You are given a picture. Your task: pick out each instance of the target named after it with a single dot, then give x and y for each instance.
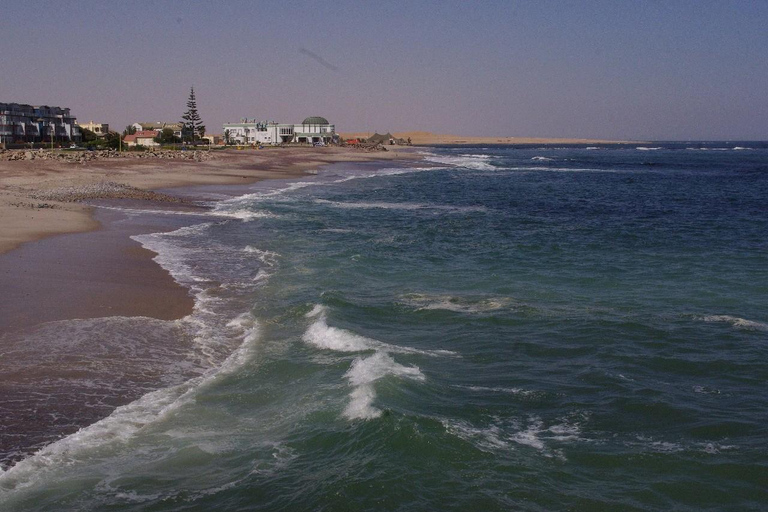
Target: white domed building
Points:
(313, 130)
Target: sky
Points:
(640, 70)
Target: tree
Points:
(166, 137)
(88, 135)
(112, 140)
(129, 130)
(226, 137)
(193, 125)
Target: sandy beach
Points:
(105, 273)
(25, 185)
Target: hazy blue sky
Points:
(600, 69)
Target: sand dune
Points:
(429, 138)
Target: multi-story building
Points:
(311, 130)
(30, 123)
(98, 129)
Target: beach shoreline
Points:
(41, 200)
(94, 270)
(29, 189)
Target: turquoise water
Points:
(494, 328)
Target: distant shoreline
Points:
(420, 138)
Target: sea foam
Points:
(320, 335)
(475, 162)
(363, 373)
(505, 434)
(456, 304)
(739, 323)
(126, 421)
(400, 206)
(268, 258)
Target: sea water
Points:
(491, 328)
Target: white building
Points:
(98, 129)
(29, 123)
(311, 130)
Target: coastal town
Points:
(24, 126)
(383, 256)
(52, 164)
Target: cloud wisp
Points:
(312, 55)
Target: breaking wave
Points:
(364, 371)
(456, 304)
(739, 323)
(479, 163)
(400, 206)
(126, 421)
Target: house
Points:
(98, 129)
(252, 132)
(31, 123)
(159, 126)
(311, 130)
(214, 139)
(142, 138)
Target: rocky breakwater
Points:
(9, 155)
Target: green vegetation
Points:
(167, 137)
(194, 129)
(110, 140)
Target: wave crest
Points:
(739, 323)
(363, 373)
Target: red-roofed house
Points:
(142, 138)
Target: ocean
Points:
(489, 328)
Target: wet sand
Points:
(87, 275)
(60, 375)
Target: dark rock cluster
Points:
(9, 155)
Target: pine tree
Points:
(193, 125)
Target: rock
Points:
(88, 156)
